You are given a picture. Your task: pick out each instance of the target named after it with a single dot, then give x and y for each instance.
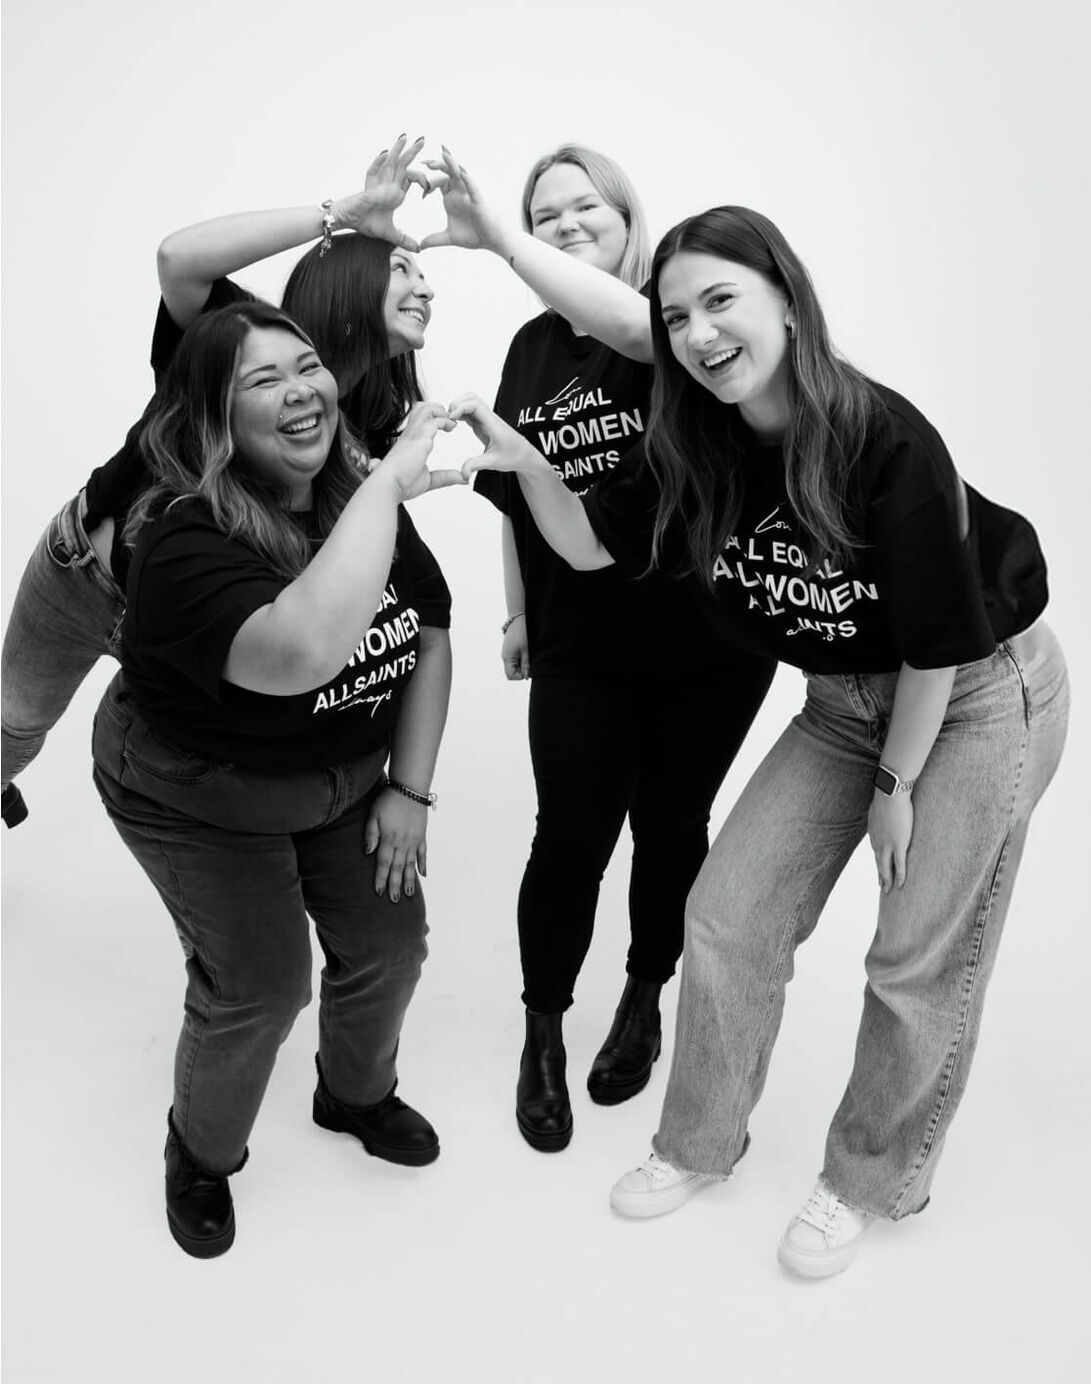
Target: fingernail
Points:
(394, 898)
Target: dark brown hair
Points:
(189, 449)
(337, 299)
(693, 440)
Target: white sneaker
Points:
(655, 1188)
(823, 1235)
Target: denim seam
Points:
(971, 971)
(187, 1075)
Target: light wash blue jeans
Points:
(770, 871)
(67, 613)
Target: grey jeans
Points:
(67, 613)
(770, 871)
(240, 857)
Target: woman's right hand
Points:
(406, 464)
(505, 449)
(470, 223)
(515, 652)
(371, 212)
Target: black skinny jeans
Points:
(601, 748)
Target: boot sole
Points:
(408, 1158)
(617, 1092)
(203, 1248)
(552, 1141)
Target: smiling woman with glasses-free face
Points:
(567, 210)
(728, 327)
(283, 411)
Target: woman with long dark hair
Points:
(816, 517)
(285, 635)
(68, 608)
(601, 650)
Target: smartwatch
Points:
(888, 782)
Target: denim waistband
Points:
(870, 696)
(70, 547)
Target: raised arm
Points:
(559, 515)
(307, 634)
(593, 301)
(192, 259)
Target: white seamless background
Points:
(925, 161)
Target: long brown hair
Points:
(187, 444)
(337, 298)
(693, 440)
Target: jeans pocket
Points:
(151, 753)
(60, 542)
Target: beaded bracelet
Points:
(326, 208)
(425, 799)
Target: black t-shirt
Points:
(916, 592)
(582, 405)
(190, 590)
(113, 486)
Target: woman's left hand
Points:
(890, 827)
(396, 828)
(386, 183)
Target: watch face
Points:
(885, 781)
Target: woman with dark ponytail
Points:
(370, 305)
(816, 517)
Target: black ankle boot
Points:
(389, 1129)
(200, 1213)
(542, 1107)
(12, 807)
(624, 1062)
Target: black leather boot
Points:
(542, 1107)
(624, 1062)
(389, 1129)
(12, 807)
(200, 1213)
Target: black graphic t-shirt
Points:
(916, 592)
(114, 486)
(190, 590)
(582, 405)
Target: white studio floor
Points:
(498, 1263)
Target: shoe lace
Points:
(824, 1210)
(656, 1168)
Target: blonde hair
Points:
(613, 185)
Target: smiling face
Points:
(283, 411)
(727, 326)
(407, 306)
(567, 210)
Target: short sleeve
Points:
(431, 594)
(168, 333)
(924, 563)
(191, 590)
(622, 509)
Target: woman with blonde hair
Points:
(634, 709)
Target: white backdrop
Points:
(926, 161)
